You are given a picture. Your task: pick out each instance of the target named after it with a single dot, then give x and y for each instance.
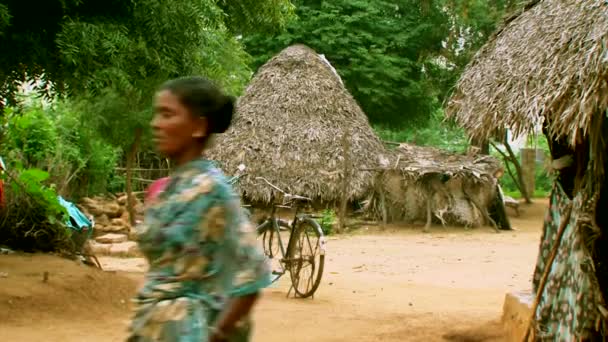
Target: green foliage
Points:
(399, 59)
(32, 135)
(437, 133)
(379, 48)
(110, 57)
(244, 16)
(31, 182)
(56, 139)
(472, 22)
(538, 141)
(33, 219)
(5, 18)
(85, 44)
(543, 179)
(327, 221)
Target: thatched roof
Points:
(457, 187)
(419, 161)
(549, 61)
(290, 127)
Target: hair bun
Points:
(203, 98)
(222, 118)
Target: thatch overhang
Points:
(290, 128)
(549, 62)
(418, 162)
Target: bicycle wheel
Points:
(271, 239)
(271, 244)
(307, 258)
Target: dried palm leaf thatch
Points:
(290, 127)
(456, 188)
(549, 62)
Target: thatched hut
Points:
(428, 184)
(293, 126)
(549, 65)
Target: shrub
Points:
(437, 133)
(327, 221)
(32, 219)
(58, 140)
(49, 150)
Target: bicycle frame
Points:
(275, 228)
(272, 225)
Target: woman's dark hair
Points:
(204, 99)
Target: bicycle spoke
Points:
(304, 280)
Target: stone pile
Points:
(113, 234)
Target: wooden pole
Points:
(345, 180)
(128, 181)
(528, 165)
(543, 279)
(429, 213)
(383, 207)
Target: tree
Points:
(509, 158)
(109, 56)
(380, 49)
(471, 24)
(86, 46)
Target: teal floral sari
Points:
(202, 251)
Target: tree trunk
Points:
(345, 180)
(519, 171)
(128, 182)
(518, 177)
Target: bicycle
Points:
(305, 244)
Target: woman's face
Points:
(174, 128)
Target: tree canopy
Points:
(378, 47)
(79, 46)
(398, 58)
(109, 56)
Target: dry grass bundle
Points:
(457, 189)
(290, 126)
(547, 62)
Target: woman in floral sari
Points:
(205, 268)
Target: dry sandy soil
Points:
(396, 284)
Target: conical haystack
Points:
(290, 128)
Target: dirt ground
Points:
(396, 284)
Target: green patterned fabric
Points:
(202, 251)
(567, 310)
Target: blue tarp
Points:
(77, 220)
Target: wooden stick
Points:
(130, 158)
(143, 180)
(345, 180)
(397, 162)
(543, 279)
(377, 169)
(383, 208)
(429, 213)
(482, 210)
(392, 143)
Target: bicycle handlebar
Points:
(235, 179)
(272, 185)
(286, 196)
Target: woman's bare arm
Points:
(237, 308)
